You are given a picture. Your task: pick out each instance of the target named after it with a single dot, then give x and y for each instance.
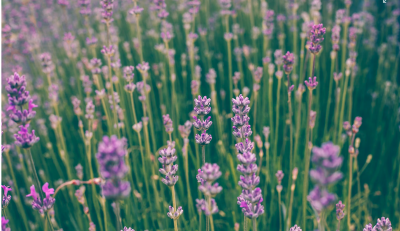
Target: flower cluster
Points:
(167, 158)
(288, 61)
(4, 223)
(169, 128)
(250, 199)
(206, 176)
(317, 33)
(6, 198)
(18, 96)
(340, 211)
(202, 108)
(383, 224)
(111, 157)
(48, 201)
(327, 161)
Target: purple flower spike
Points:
(6, 198)
(340, 211)
(174, 214)
(167, 158)
(311, 83)
(316, 37)
(327, 161)
(48, 201)
(383, 224)
(4, 223)
(168, 124)
(288, 61)
(279, 176)
(111, 157)
(295, 228)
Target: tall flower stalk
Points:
(113, 169)
(251, 198)
(326, 161)
(353, 152)
(18, 97)
(167, 159)
(316, 37)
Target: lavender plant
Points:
(74, 72)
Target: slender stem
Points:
(117, 215)
(307, 161)
(211, 218)
(290, 125)
(203, 153)
(349, 191)
(255, 112)
(289, 220)
(280, 211)
(175, 208)
(342, 105)
(277, 122)
(328, 105)
(48, 219)
(254, 224)
(200, 221)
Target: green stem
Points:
(175, 208)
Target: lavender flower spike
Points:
(6, 198)
(326, 161)
(111, 157)
(250, 199)
(4, 223)
(48, 201)
(167, 158)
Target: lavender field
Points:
(208, 115)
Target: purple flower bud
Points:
(167, 158)
(311, 83)
(279, 176)
(288, 61)
(340, 211)
(174, 214)
(168, 124)
(6, 198)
